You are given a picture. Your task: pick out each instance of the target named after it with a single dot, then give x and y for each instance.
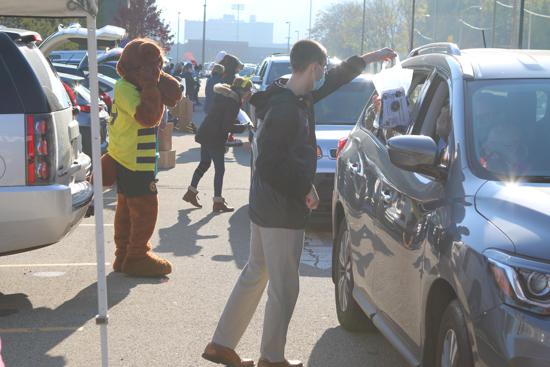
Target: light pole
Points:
(363, 26)
(203, 33)
(238, 8)
(288, 41)
(413, 15)
(310, 13)
(178, 40)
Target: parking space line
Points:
(49, 265)
(93, 225)
(39, 330)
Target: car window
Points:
(344, 106)
(108, 70)
(8, 91)
(509, 128)
(277, 70)
(55, 93)
(262, 70)
(105, 87)
(370, 115)
(435, 120)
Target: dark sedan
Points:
(81, 99)
(441, 228)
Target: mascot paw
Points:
(148, 266)
(170, 90)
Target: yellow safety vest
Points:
(131, 144)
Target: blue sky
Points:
(274, 11)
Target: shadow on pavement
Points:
(241, 154)
(190, 155)
(181, 239)
(239, 240)
(338, 347)
(24, 347)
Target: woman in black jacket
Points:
(212, 135)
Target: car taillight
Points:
(105, 98)
(31, 176)
(341, 144)
(39, 149)
(319, 152)
(71, 94)
(85, 108)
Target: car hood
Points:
(521, 212)
(332, 132)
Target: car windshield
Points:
(344, 106)
(509, 124)
(278, 69)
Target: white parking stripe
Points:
(49, 265)
(93, 225)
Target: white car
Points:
(43, 188)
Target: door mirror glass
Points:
(256, 79)
(415, 153)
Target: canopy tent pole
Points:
(102, 316)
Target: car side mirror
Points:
(256, 79)
(415, 153)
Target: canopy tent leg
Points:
(102, 316)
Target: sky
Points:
(272, 11)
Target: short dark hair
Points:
(306, 52)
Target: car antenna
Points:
(484, 39)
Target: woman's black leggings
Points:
(211, 153)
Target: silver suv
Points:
(43, 187)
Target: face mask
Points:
(319, 83)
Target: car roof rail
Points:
(447, 48)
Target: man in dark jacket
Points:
(281, 197)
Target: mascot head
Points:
(141, 62)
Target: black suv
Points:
(442, 228)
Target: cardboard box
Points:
(165, 137)
(167, 159)
(183, 111)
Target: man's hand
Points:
(312, 199)
(384, 54)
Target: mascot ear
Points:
(170, 90)
(127, 65)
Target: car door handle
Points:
(354, 167)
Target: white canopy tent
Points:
(87, 9)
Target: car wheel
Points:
(453, 345)
(350, 315)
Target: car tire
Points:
(350, 315)
(453, 345)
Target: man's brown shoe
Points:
(223, 355)
(191, 197)
(266, 363)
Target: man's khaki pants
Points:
(275, 256)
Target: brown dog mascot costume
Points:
(131, 162)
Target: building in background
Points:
(227, 29)
(250, 40)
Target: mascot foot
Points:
(117, 264)
(148, 266)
